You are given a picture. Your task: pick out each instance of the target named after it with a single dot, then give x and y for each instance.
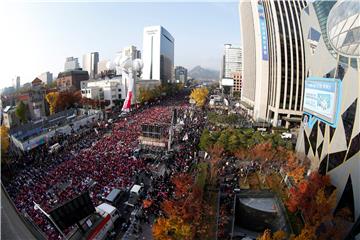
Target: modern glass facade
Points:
(158, 54)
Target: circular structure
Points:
(344, 28)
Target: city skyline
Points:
(51, 38)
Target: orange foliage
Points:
(183, 183)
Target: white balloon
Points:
(137, 65)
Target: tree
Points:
(4, 140)
(278, 235)
(302, 196)
(199, 96)
(52, 99)
(171, 228)
(20, 112)
(183, 183)
(69, 99)
(205, 140)
(215, 151)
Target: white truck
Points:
(109, 214)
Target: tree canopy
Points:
(20, 112)
(199, 96)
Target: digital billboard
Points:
(263, 31)
(322, 98)
(227, 82)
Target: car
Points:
(286, 135)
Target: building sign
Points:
(263, 31)
(322, 98)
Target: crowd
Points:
(97, 161)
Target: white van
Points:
(135, 192)
(54, 148)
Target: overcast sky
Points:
(37, 37)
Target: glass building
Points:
(158, 54)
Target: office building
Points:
(330, 130)
(180, 74)
(90, 63)
(71, 63)
(237, 82)
(46, 77)
(110, 90)
(158, 54)
(273, 60)
(131, 51)
(18, 85)
(70, 80)
(232, 60)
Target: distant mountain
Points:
(200, 73)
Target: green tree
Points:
(205, 140)
(20, 112)
(233, 143)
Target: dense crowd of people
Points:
(100, 161)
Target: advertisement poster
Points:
(321, 98)
(263, 31)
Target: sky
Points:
(37, 36)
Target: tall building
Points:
(232, 60)
(181, 74)
(18, 85)
(273, 60)
(46, 77)
(90, 63)
(158, 54)
(131, 51)
(330, 131)
(71, 63)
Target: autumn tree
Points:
(4, 140)
(52, 99)
(199, 96)
(215, 151)
(316, 201)
(68, 99)
(171, 228)
(268, 235)
(20, 112)
(182, 183)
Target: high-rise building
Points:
(131, 51)
(71, 63)
(180, 74)
(232, 60)
(158, 54)
(46, 77)
(330, 131)
(90, 63)
(273, 60)
(18, 83)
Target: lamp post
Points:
(37, 207)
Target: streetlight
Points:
(37, 207)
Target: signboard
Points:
(263, 31)
(227, 82)
(322, 98)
